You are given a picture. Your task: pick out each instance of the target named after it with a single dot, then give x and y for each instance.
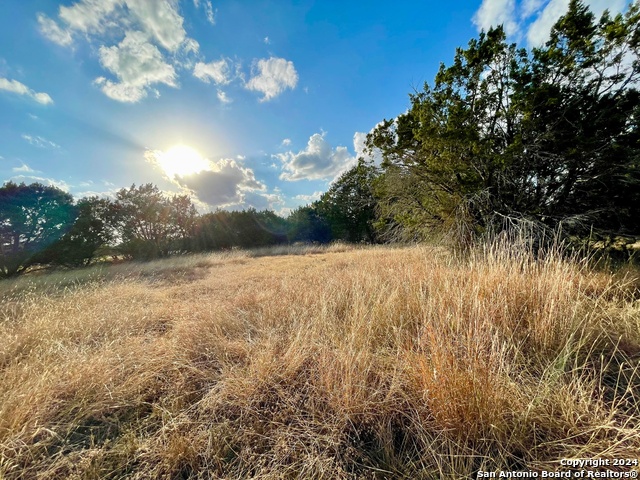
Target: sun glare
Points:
(182, 160)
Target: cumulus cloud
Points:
(137, 61)
(217, 184)
(533, 19)
(226, 183)
(219, 72)
(318, 161)
(286, 142)
(137, 64)
(19, 88)
(40, 142)
(53, 32)
(88, 16)
(160, 20)
(272, 76)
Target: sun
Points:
(182, 160)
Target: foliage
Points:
(550, 135)
(32, 217)
(150, 223)
(246, 229)
(94, 228)
(349, 205)
(306, 224)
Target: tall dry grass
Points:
(367, 363)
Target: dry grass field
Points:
(330, 363)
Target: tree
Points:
(307, 225)
(550, 135)
(349, 206)
(32, 217)
(150, 224)
(93, 228)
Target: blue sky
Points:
(268, 101)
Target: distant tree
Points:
(93, 228)
(349, 206)
(213, 231)
(307, 225)
(32, 217)
(256, 229)
(183, 215)
(273, 225)
(246, 229)
(150, 224)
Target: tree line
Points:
(43, 225)
(548, 135)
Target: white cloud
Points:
(53, 32)
(137, 64)
(309, 198)
(538, 31)
(88, 16)
(318, 161)
(219, 72)
(147, 26)
(529, 7)
(267, 41)
(15, 86)
(208, 8)
(286, 142)
(271, 76)
(533, 18)
(496, 12)
(40, 142)
(161, 20)
(223, 97)
(359, 145)
(24, 168)
(158, 19)
(61, 184)
(262, 201)
(191, 46)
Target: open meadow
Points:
(336, 362)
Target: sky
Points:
(239, 104)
